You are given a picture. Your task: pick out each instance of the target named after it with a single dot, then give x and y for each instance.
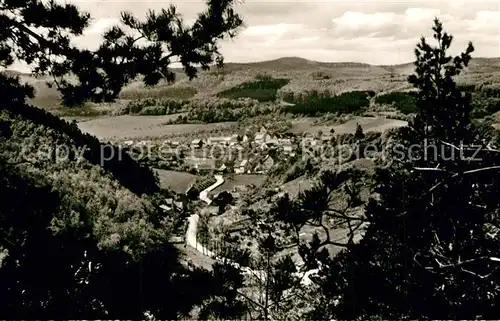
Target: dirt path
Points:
(193, 220)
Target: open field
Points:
(174, 180)
(294, 187)
(379, 124)
(127, 126)
(239, 180)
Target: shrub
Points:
(482, 106)
(153, 111)
(467, 87)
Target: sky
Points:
(374, 32)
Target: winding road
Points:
(193, 242)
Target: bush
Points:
(490, 91)
(466, 87)
(153, 111)
(405, 102)
(263, 89)
(482, 106)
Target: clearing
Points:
(238, 180)
(128, 126)
(174, 180)
(369, 124)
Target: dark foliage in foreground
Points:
(39, 33)
(81, 233)
(430, 246)
(403, 101)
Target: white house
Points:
(268, 163)
(287, 148)
(259, 138)
(262, 138)
(272, 141)
(165, 208)
(197, 143)
(242, 167)
(220, 140)
(233, 138)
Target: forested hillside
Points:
(81, 232)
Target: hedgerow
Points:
(405, 102)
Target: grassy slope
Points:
(178, 182)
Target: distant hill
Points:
(293, 63)
(298, 63)
(303, 74)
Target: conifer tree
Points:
(64, 255)
(39, 33)
(429, 251)
(359, 134)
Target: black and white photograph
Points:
(247, 160)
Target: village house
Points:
(197, 143)
(221, 140)
(179, 205)
(272, 141)
(143, 142)
(242, 167)
(259, 138)
(222, 168)
(309, 141)
(165, 208)
(263, 165)
(204, 167)
(234, 138)
(262, 136)
(287, 148)
(286, 145)
(267, 163)
(200, 164)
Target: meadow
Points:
(177, 181)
